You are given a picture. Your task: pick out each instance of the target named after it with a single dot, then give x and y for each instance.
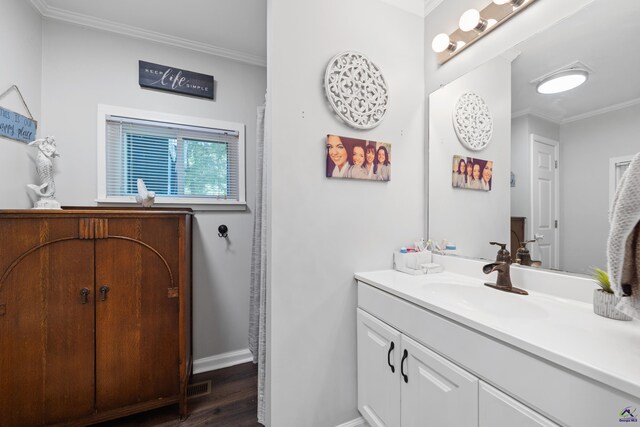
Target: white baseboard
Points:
(223, 360)
(358, 422)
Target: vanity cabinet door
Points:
(499, 410)
(435, 392)
(378, 371)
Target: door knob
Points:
(538, 236)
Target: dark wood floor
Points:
(232, 402)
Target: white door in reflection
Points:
(617, 167)
(544, 201)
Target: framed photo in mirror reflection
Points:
(470, 173)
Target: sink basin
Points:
(471, 295)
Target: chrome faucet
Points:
(503, 267)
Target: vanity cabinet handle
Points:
(405, 354)
(84, 295)
(391, 347)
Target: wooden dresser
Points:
(95, 313)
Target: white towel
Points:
(623, 252)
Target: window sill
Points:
(194, 204)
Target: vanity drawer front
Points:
(564, 396)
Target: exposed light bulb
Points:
(562, 81)
(471, 20)
(442, 42)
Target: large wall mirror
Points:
(567, 149)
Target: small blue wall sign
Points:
(16, 126)
(156, 76)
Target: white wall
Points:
(471, 218)
(323, 230)
(21, 33)
(83, 68)
(585, 149)
(444, 19)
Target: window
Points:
(183, 160)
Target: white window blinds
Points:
(176, 161)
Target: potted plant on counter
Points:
(604, 300)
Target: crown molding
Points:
(604, 110)
(39, 5)
(139, 33)
(582, 116)
(535, 113)
(430, 5)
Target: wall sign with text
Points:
(16, 126)
(173, 79)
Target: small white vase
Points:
(604, 304)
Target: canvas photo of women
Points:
(472, 174)
(358, 159)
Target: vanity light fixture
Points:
(472, 21)
(442, 42)
(515, 3)
(473, 25)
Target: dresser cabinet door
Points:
(436, 392)
(136, 313)
(46, 328)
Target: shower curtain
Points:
(258, 291)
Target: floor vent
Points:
(198, 389)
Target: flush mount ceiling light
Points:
(562, 81)
(475, 24)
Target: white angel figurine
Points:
(47, 151)
(145, 196)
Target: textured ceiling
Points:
(605, 38)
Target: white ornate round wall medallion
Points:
(472, 121)
(356, 90)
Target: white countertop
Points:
(563, 331)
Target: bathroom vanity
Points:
(443, 349)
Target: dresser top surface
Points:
(77, 211)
